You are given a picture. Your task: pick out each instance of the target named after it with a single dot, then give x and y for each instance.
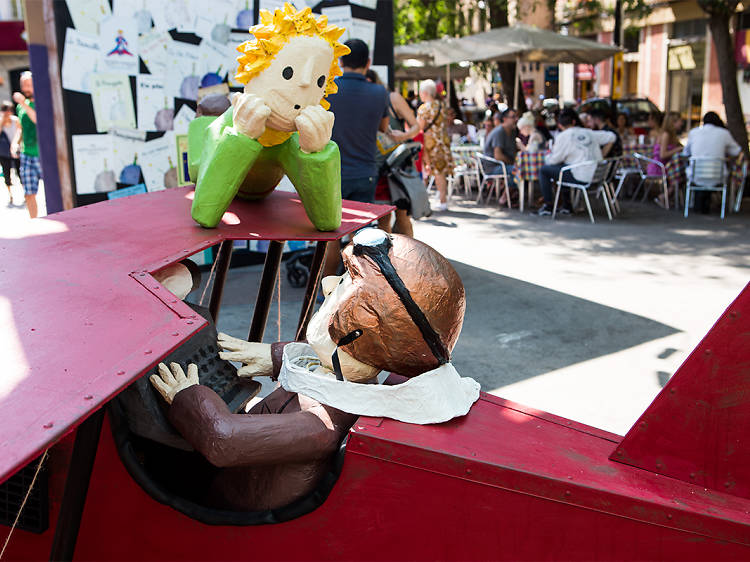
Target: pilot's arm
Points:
(226, 439)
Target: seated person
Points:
(573, 144)
(399, 307)
(711, 140)
(529, 138)
(500, 144)
(454, 126)
(623, 127)
(600, 120)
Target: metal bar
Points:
(265, 291)
(76, 487)
(316, 267)
(222, 267)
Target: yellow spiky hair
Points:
(275, 30)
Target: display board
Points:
(131, 71)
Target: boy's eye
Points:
(287, 73)
(321, 81)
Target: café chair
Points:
(492, 180)
(642, 170)
(707, 174)
(601, 172)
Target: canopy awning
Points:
(512, 43)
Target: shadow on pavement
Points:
(513, 330)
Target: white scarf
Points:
(432, 397)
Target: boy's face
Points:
(295, 79)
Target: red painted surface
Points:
(698, 428)
(10, 36)
(81, 317)
(504, 482)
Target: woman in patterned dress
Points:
(437, 148)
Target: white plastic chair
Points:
(609, 182)
(484, 163)
(707, 174)
(601, 172)
(642, 170)
(464, 169)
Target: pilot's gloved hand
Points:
(170, 383)
(255, 357)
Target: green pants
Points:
(225, 163)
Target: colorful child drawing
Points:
(121, 48)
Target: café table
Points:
(526, 171)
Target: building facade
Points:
(669, 58)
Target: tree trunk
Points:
(719, 25)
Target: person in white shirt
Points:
(712, 140)
(572, 145)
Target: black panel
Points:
(35, 515)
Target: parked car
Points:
(637, 110)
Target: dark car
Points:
(637, 110)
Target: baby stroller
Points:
(404, 182)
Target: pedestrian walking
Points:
(361, 109)
(9, 126)
(26, 144)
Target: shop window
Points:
(631, 40)
(689, 29)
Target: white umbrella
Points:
(517, 43)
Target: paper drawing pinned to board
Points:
(79, 60)
(182, 120)
(153, 51)
(340, 16)
(86, 14)
(170, 176)
(105, 180)
(126, 143)
(164, 120)
(121, 46)
(113, 102)
(131, 174)
(118, 41)
(133, 9)
(365, 30)
(245, 17)
(181, 80)
(151, 99)
(154, 159)
(189, 86)
(92, 163)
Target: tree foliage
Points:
(421, 20)
(585, 15)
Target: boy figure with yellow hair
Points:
(278, 126)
